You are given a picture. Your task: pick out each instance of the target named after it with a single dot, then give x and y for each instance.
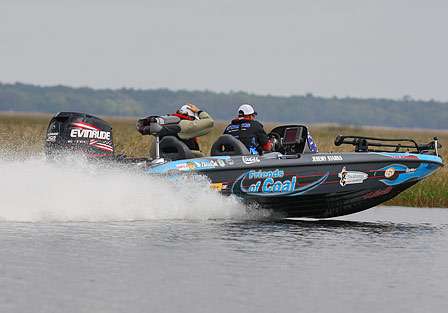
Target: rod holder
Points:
(157, 147)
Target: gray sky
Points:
(380, 48)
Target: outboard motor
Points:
(70, 132)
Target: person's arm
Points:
(196, 128)
(263, 138)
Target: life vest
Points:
(182, 116)
(250, 133)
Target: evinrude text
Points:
(87, 133)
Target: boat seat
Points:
(173, 149)
(228, 145)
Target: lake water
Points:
(382, 260)
(76, 238)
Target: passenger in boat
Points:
(249, 131)
(193, 123)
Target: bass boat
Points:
(292, 181)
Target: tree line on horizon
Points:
(306, 109)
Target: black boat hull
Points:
(312, 185)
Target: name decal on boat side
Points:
(326, 158)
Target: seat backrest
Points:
(228, 145)
(173, 149)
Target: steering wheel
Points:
(276, 140)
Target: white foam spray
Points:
(33, 190)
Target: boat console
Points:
(290, 139)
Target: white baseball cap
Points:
(186, 110)
(246, 109)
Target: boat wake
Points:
(33, 190)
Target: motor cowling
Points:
(72, 132)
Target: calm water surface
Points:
(381, 260)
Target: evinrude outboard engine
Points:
(81, 133)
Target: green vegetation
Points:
(25, 134)
(306, 109)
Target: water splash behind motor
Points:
(35, 190)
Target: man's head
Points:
(188, 110)
(246, 111)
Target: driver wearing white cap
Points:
(249, 131)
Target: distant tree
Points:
(309, 108)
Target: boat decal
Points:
(218, 186)
(221, 162)
(389, 172)
(51, 137)
(403, 173)
(251, 159)
(84, 130)
(229, 161)
(272, 183)
(185, 167)
(326, 158)
(190, 165)
(206, 164)
(412, 156)
(378, 193)
(351, 177)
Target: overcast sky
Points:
(380, 48)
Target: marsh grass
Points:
(24, 134)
